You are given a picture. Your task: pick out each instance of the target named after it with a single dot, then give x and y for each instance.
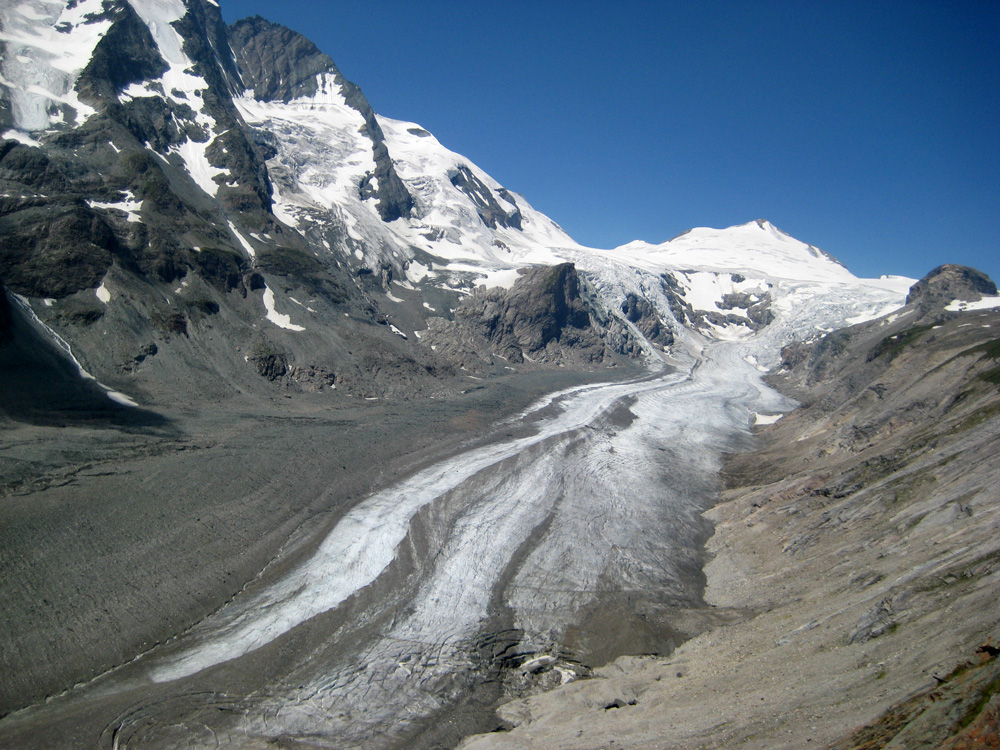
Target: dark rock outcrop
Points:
(546, 318)
(538, 319)
(6, 319)
(639, 311)
(125, 55)
(53, 249)
(950, 282)
(279, 64)
(487, 206)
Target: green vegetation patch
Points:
(892, 346)
(977, 418)
(987, 350)
(990, 348)
(988, 691)
(287, 261)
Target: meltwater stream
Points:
(511, 548)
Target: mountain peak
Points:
(950, 282)
(277, 64)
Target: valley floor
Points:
(115, 538)
(860, 543)
(854, 563)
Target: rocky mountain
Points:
(168, 181)
(238, 304)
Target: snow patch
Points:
(417, 272)
(27, 140)
(121, 398)
(280, 320)
(766, 418)
(985, 303)
(198, 167)
(243, 241)
(503, 278)
(130, 206)
(875, 313)
(103, 294)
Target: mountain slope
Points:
(858, 543)
(233, 184)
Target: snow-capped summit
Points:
(755, 247)
(231, 181)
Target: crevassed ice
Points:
(41, 64)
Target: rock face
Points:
(544, 318)
(743, 309)
(639, 311)
(489, 209)
(6, 319)
(950, 282)
(281, 65)
(146, 243)
(961, 712)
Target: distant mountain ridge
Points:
(233, 181)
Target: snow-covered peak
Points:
(757, 247)
(461, 212)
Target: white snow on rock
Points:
(279, 319)
(180, 86)
(765, 419)
(198, 166)
(243, 241)
(130, 206)
(323, 152)
(985, 303)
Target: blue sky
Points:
(870, 129)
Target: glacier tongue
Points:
(512, 545)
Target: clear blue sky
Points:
(870, 129)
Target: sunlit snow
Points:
(130, 206)
(243, 241)
(985, 303)
(279, 319)
(41, 65)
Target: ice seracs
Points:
(47, 46)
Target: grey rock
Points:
(639, 311)
(487, 206)
(6, 319)
(279, 64)
(950, 282)
(542, 318)
(125, 55)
